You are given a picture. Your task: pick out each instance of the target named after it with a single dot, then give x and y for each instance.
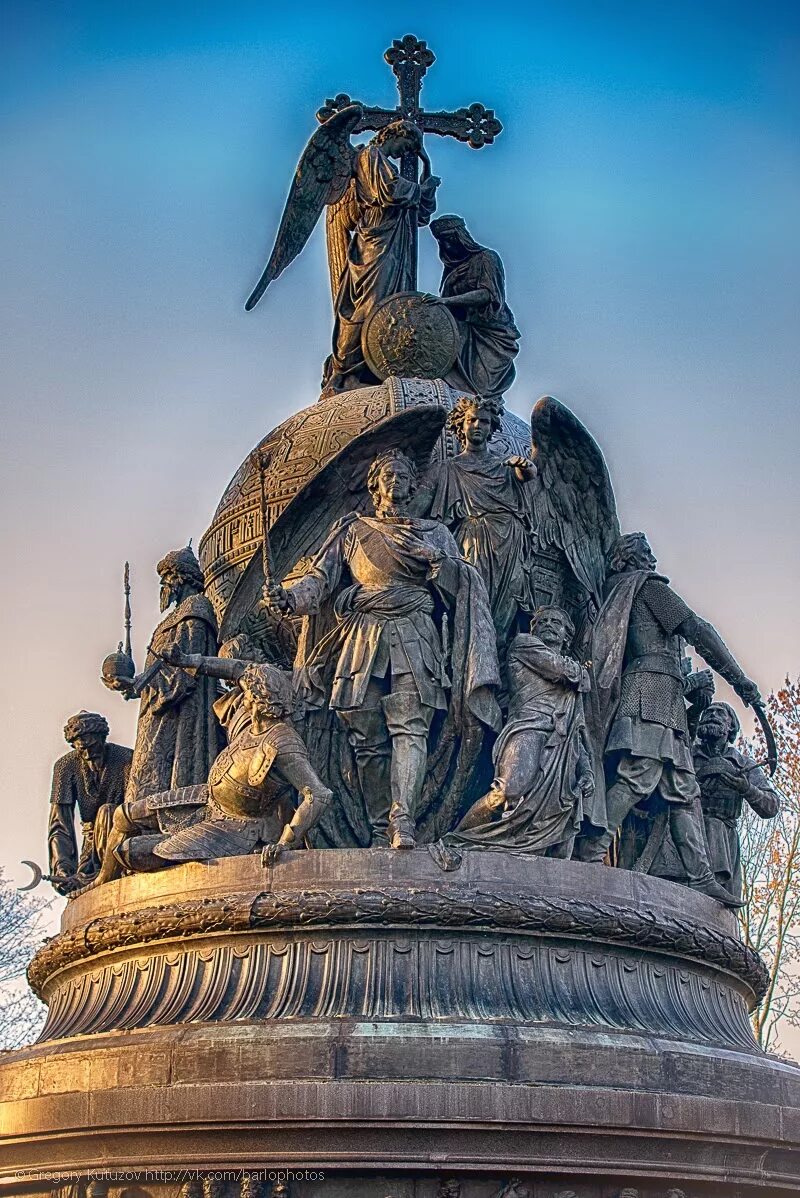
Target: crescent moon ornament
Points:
(37, 875)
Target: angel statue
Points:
(574, 515)
(487, 503)
(373, 213)
(537, 530)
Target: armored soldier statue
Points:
(728, 778)
(91, 780)
(487, 504)
(543, 779)
(638, 715)
(383, 667)
(177, 735)
(248, 800)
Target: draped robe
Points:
(489, 335)
(381, 255)
(177, 735)
(490, 513)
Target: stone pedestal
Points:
(361, 1016)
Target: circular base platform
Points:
(363, 1015)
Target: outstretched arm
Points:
(468, 299)
(707, 641)
(555, 667)
(229, 668)
(321, 579)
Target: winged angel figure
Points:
(574, 514)
(373, 212)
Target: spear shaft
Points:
(266, 550)
(126, 584)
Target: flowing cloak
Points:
(76, 786)
(489, 335)
(490, 513)
(722, 809)
(380, 257)
(544, 707)
(609, 640)
(177, 736)
(390, 604)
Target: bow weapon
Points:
(769, 736)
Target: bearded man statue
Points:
(177, 735)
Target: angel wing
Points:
(321, 178)
(342, 218)
(575, 506)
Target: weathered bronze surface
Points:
(727, 779)
(360, 1012)
(417, 626)
(177, 735)
(638, 711)
(89, 782)
(374, 208)
(474, 288)
(410, 335)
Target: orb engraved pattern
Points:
(408, 335)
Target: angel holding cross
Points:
(382, 211)
(374, 199)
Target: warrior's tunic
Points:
(384, 610)
(95, 794)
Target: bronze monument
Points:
(355, 919)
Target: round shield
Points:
(410, 336)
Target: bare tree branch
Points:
(771, 867)
(21, 933)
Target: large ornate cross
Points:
(409, 59)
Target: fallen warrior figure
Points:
(246, 803)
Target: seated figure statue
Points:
(543, 778)
(247, 802)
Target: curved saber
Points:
(769, 736)
(37, 875)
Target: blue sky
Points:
(644, 196)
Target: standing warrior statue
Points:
(177, 735)
(92, 779)
(474, 288)
(638, 711)
(383, 666)
(728, 778)
(374, 207)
